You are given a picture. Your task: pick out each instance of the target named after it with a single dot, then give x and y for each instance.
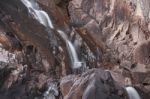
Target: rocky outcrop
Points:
(115, 26)
(120, 28)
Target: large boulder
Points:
(93, 84)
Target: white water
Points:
(72, 52)
(37, 13)
(132, 93)
(51, 92)
(44, 19)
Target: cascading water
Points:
(44, 19)
(72, 52)
(37, 13)
(132, 93)
(74, 58)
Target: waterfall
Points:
(132, 93)
(45, 20)
(37, 13)
(72, 52)
(74, 58)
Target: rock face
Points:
(93, 84)
(113, 24)
(106, 34)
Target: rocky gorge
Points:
(74, 49)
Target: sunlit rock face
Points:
(112, 25)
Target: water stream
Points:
(44, 19)
(38, 13)
(132, 93)
(72, 52)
